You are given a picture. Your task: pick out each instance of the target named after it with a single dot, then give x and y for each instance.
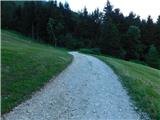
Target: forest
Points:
(108, 32)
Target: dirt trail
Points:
(87, 90)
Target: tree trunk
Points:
(55, 40)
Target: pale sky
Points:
(143, 8)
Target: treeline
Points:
(110, 32)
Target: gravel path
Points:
(87, 90)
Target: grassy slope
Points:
(142, 83)
(26, 66)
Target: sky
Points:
(143, 8)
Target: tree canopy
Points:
(110, 31)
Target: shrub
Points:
(139, 62)
(90, 51)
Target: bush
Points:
(90, 51)
(139, 62)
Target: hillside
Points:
(141, 82)
(26, 67)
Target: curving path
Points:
(87, 90)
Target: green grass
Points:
(26, 67)
(142, 83)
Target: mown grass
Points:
(26, 67)
(142, 83)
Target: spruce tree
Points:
(51, 31)
(157, 34)
(153, 57)
(110, 37)
(133, 44)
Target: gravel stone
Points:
(86, 90)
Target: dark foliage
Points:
(152, 57)
(114, 34)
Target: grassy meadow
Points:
(26, 67)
